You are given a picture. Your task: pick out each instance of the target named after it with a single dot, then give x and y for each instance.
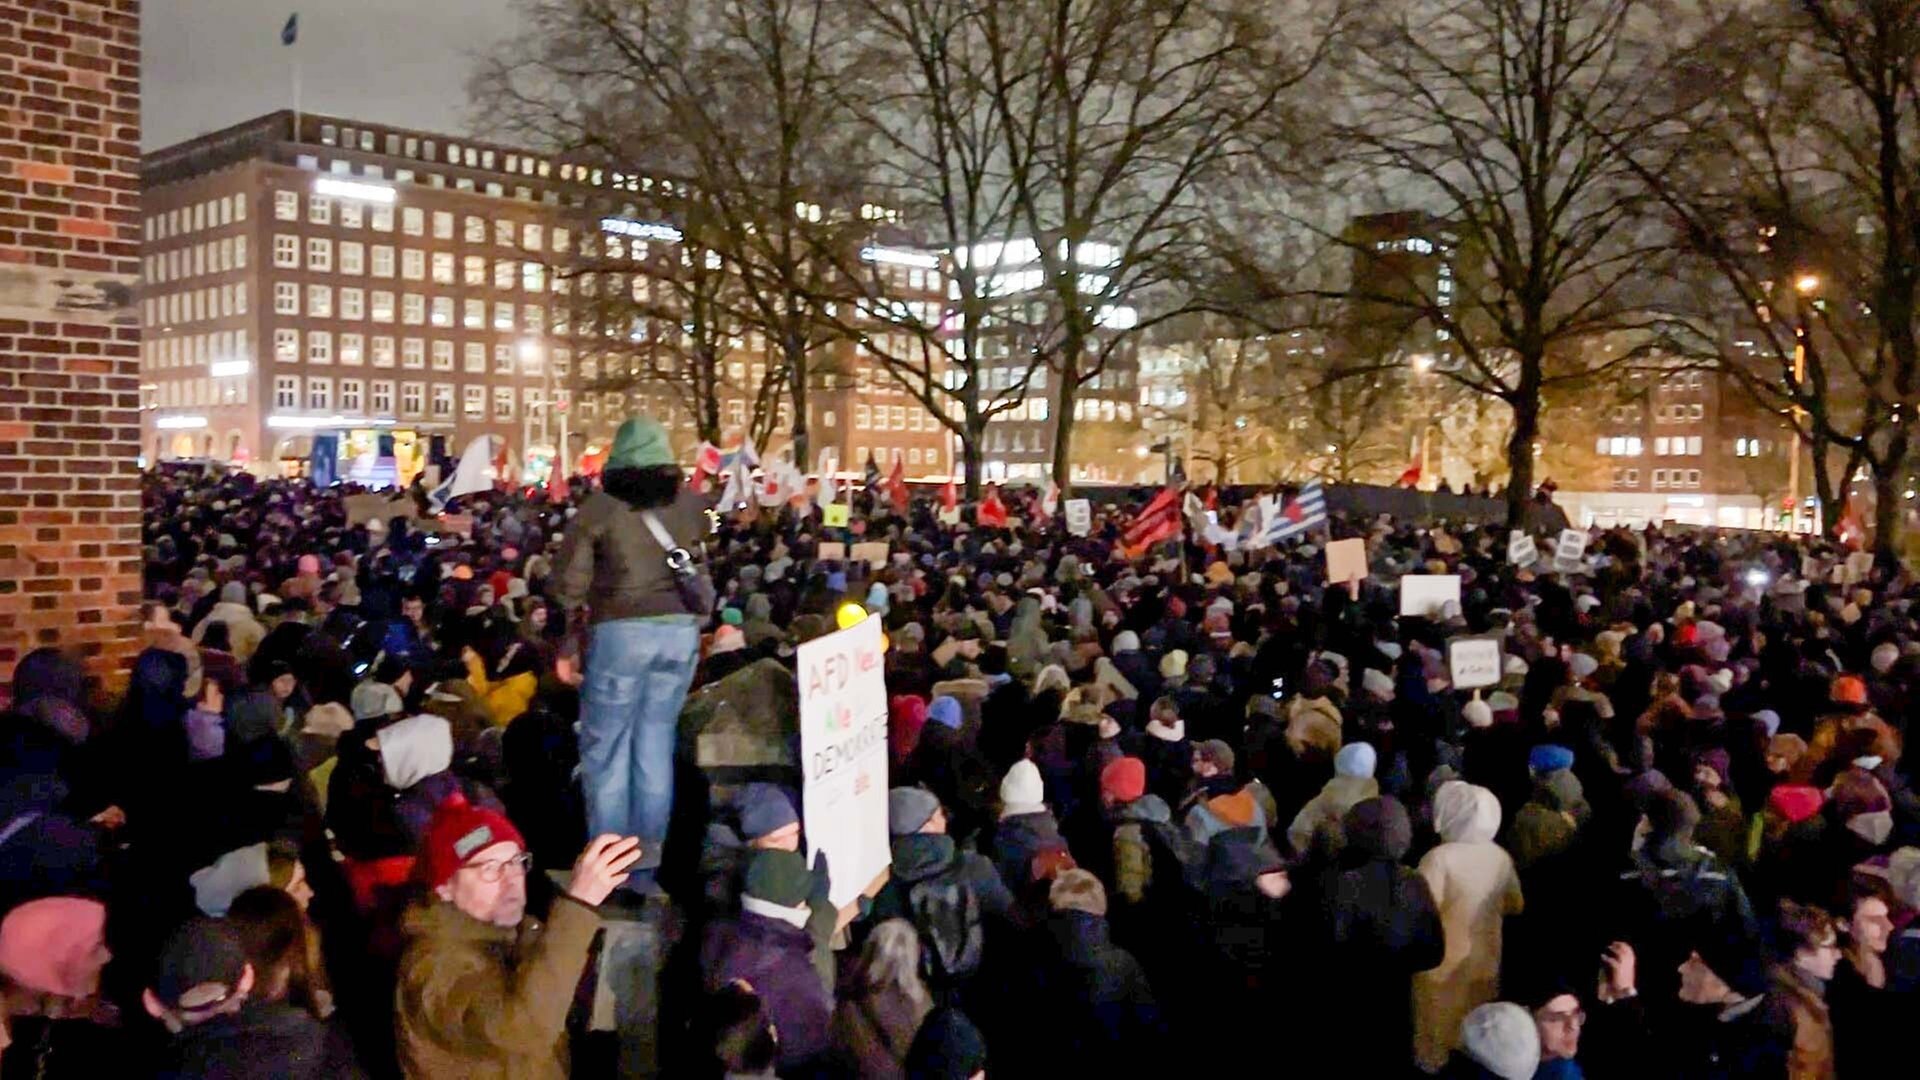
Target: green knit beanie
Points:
(640, 443)
(778, 877)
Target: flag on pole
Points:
(738, 485)
(873, 475)
(1157, 521)
(706, 466)
(829, 490)
(1050, 502)
(1302, 512)
(1410, 478)
(290, 33)
(949, 495)
(993, 512)
(474, 473)
(897, 483)
(557, 480)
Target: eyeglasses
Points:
(491, 872)
(1569, 1019)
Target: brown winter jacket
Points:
(479, 1002)
(611, 564)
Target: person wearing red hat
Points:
(483, 989)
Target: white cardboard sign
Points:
(843, 751)
(1423, 595)
(1474, 662)
(1079, 517)
(1522, 552)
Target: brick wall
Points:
(69, 335)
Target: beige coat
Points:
(1475, 886)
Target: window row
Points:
(194, 350)
(1681, 479)
(212, 257)
(413, 264)
(290, 346)
(892, 418)
(325, 210)
(1679, 413)
(414, 309)
(210, 214)
(385, 397)
(178, 393)
(194, 305)
(1677, 446)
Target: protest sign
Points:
(873, 554)
(949, 515)
(1522, 552)
(843, 750)
(835, 515)
(370, 505)
(832, 550)
(1859, 565)
(1474, 662)
(455, 524)
(1346, 560)
(1424, 594)
(1079, 517)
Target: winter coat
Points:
(1316, 828)
(775, 958)
(1378, 926)
(479, 1001)
(871, 1033)
(611, 564)
(1801, 1008)
(1142, 836)
(507, 697)
(1016, 840)
(1475, 886)
(1669, 895)
(922, 856)
(1102, 1018)
(244, 631)
(261, 1042)
(1549, 822)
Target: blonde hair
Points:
(1078, 890)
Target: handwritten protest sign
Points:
(843, 748)
(873, 554)
(1079, 517)
(1521, 550)
(1424, 595)
(831, 550)
(1473, 662)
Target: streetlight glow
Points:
(1807, 283)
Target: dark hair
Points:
(215, 636)
(273, 931)
(643, 487)
(390, 668)
(741, 1033)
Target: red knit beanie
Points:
(1795, 802)
(459, 831)
(1124, 779)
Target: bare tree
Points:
(732, 100)
(1501, 118)
(1801, 209)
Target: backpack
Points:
(946, 912)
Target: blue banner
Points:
(324, 466)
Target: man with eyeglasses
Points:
(483, 989)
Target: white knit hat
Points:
(1501, 1038)
(1022, 792)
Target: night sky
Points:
(211, 63)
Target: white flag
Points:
(474, 473)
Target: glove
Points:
(822, 880)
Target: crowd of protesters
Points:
(369, 806)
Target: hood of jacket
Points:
(415, 748)
(918, 856)
(1378, 828)
(234, 615)
(1236, 809)
(1078, 935)
(1147, 808)
(1348, 790)
(1035, 830)
(1465, 813)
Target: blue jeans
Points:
(638, 673)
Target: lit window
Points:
(475, 358)
(443, 267)
(443, 356)
(503, 274)
(503, 403)
(382, 398)
(286, 391)
(443, 311)
(413, 353)
(352, 395)
(353, 304)
(442, 225)
(383, 219)
(352, 349)
(1660, 446)
(533, 276)
(413, 309)
(382, 261)
(320, 301)
(473, 270)
(413, 398)
(383, 352)
(473, 314)
(286, 298)
(286, 205)
(1693, 446)
(286, 251)
(474, 401)
(352, 215)
(286, 346)
(413, 264)
(502, 316)
(442, 400)
(530, 236)
(476, 229)
(352, 257)
(319, 347)
(413, 221)
(319, 210)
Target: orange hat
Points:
(463, 572)
(1849, 690)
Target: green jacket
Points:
(476, 1001)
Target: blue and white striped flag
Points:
(1302, 512)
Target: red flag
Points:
(949, 495)
(1213, 497)
(557, 480)
(1157, 521)
(1410, 478)
(1850, 530)
(897, 483)
(993, 512)
(1050, 502)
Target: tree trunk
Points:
(1526, 428)
(1063, 434)
(971, 457)
(1889, 502)
(797, 390)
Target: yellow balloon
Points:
(849, 615)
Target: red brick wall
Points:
(69, 335)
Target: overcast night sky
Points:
(211, 63)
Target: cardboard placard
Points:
(873, 554)
(1346, 561)
(1859, 565)
(948, 516)
(843, 754)
(373, 505)
(1079, 517)
(834, 550)
(1572, 544)
(457, 524)
(1423, 595)
(835, 515)
(1474, 662)
(1522, 552)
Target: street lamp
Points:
(1807, 284)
